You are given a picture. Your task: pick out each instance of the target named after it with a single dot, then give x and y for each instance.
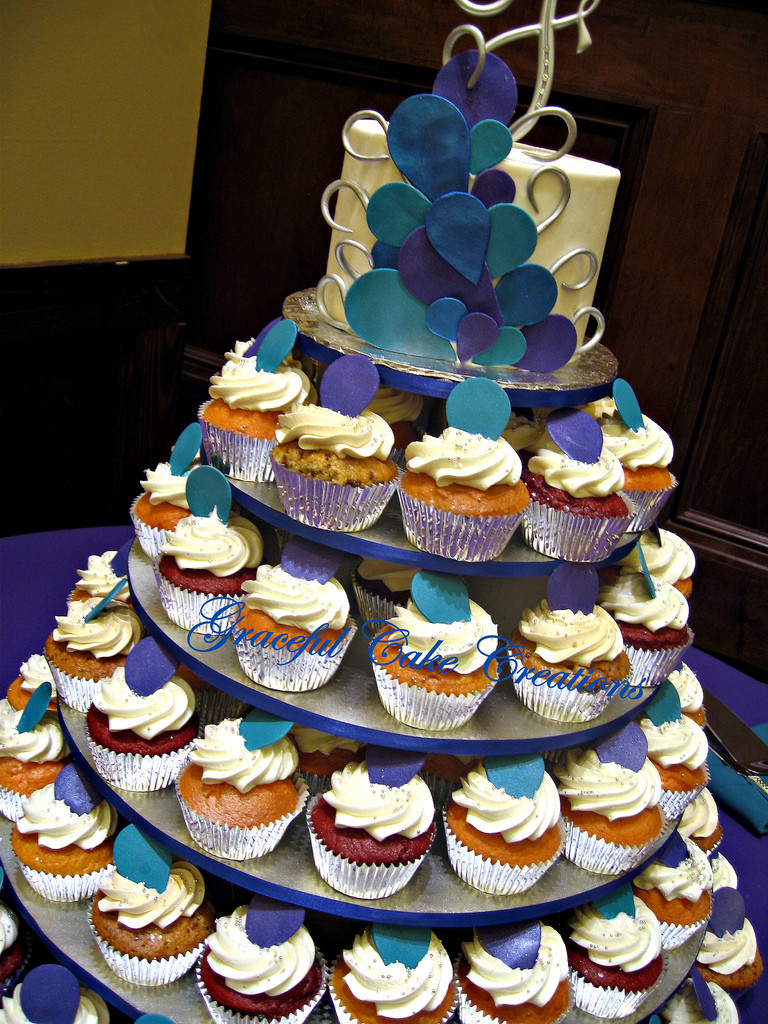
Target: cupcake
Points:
(461, 494)
(690, 692)
(150, 918)
(609, 797)
(142, 722)
(443, 772)
(50, 992)
(513, 973)
(700, 822)
(699, 1002)
(331, 462)
(240, 791)
(261, 965)
(677, 887)
(401, 410)
(503, 826)
(677, 748)
(729, 955)
(32, 751)
(723, 873)
(295, 627)
(14, 949)
(247, 397)
(429, 669)
(568, 658)
(667, 557)
(63, 839)
(371, 830)
(99, 579)
(320, 755)
(576, 511)
(654, 625)
(211, 703)
(82, 650)
(393, 973)
(379, 586)
(614, 954)
(33, 672)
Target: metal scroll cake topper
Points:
(436, 250)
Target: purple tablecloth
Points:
(37, 571)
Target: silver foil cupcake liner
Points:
(65, 888)
(329, 506)
(454, 535)
(372, 606)
(11, 803)
(139, 971)
(345, 1017)
(271, 668)
(674, 935)
(216, 705)
(223, 1015)
(74, 691)
(137, 773)
(648, 505)
(244, 457)
(674, 803)
(608, 1002)
(150, 538)
(560, 703)
(364, 881)
(649, 667)
(469, 1013)
(192, 610)
(426, 709)
(492, 876)
(560, 534)
(234, 842)
(601, 855)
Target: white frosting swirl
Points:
(515, 986)
(492, 811)
(678, 742)
(608, 788)
(396, 406)
(723, 874)
(313, 741)
(670, 561)
(457, 639)
(222, 755)
(138, 905)
(382, 811)
(648, 446)
(204, 542)
(399, 992)
(629, 943)
(34, 672)
(166, 709)
(314, 428)
(522, 433)
(43, 743)
(685, 881)
(458, 457)
(241, 386)
(396, 578)
(628, 599)
(579, 479)
(163, 485)
(56, 826)
(99, 578)
(688, 688)
(306, 604)
(684, 1008)
(116, 630)
(9, 928)
(729, 952)
(91, 1009)
(699, 818)
(564, 635)
(258, 970)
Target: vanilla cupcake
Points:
(678, 749)
(51, 992)
(728, 954)
(723, 873)
(401, 410)
(32, 753)
(700, 822)
(693, 1005)
(667, 557)
(690, 692)
(33, 673)
(160, 507)
(321, 754)
(99, 580)
(379, 586)
(677, 887)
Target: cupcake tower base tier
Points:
(435, 894)
(349, 704)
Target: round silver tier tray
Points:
(63, 927)
(584, 379)
(349, 704)
(435, 895)
(386, 539)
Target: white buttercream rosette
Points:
(344, 1016)
(223, 1015)
(470, 1013)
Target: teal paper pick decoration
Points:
(2, 876)
(507, 350)
(479, 406)
(443, 317)
(512, 241)
(664, 706)
(519, 775)
(646, 571)
(394, 211)
(185, 449)
(422, 126)
(141, 859)
(104, 602)
(458, 228)
(439, 597)
(489, 143)
(259, 729)
(627, 405)
(208, 489)
(620, 901)
(526, 294)
(36, 706)
(278, 343)
(400, 943)
(153, 1018)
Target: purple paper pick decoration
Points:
(526, 294)
(476, 333)
(494, 186)
(444, 316)
(269, 922)
(141, 859)
(260, 729)
(439, 597)
(550, 344)
(458, 227)
(422, 127)
(704, 995)
(675, 852)
(728, 912)
(664, 706)
(208, 489)
(516, 945)
(492, 96)
(307, 560)
(75, 790)
(148, 667)
(519, 775)
(620, 901)
(186, 449)
(388, 766)
(119, 563)
(35, 708)
(627, 405)
(349, 385)
(397, 943)
(576, 434)
(573, 585)
(479, 406)
(276, 345)
(253, 348)
(627, 747)
(50, 994)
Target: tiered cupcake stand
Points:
(349, 706)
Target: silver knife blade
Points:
(734, 735)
